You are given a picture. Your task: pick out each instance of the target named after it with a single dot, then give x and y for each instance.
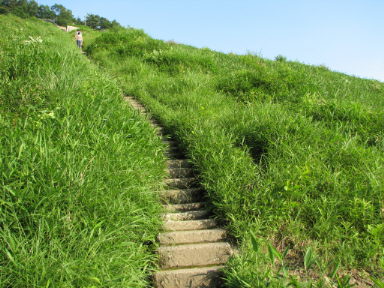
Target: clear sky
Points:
(344, 35)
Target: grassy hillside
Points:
(290, 154)
(78, 168)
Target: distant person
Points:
(79, 39)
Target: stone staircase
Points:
(192, 248)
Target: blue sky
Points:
(346, 36)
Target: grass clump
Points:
(289, 153)
(79, 168)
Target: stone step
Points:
(140, 108)
(188, 215)
(178, 163)
(195, 236)
(175, 154)
(207, 277)
(181, 196)
(159, 130)
(180, 172)
(167, 138)
(154, 122)
(169, 142)
(181, 183)
(137, 106)
(204, 254)
(184, 207)
(189, 225)
(172, 146)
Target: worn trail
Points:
(193, 248)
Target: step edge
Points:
(216, 267)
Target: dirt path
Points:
(192, 247)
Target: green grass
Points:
(291, 155)
(78, 168)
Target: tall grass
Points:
(290, 154)
(79, 168)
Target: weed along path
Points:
(192, 247)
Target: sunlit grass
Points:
(79, 169)
(289, 153)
